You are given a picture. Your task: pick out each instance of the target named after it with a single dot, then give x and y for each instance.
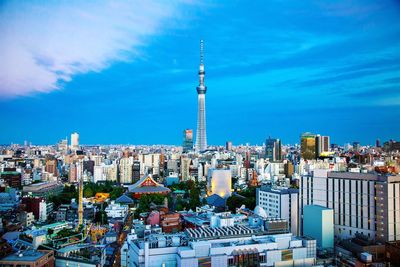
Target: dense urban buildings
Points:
(273, 149)
(308, 204)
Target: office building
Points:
(201, 134)
(279, 202)
(63, 145)
(88, 166)
(365, 203)
(75, 141)
(136, 171)
(126, 170)
(322, 144)
(51, 166)
(308, 146)
(228, 146)
(185, 168)
(273, 149)
(187, 140)
(318, 224)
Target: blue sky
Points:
(126, 72)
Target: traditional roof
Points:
(216, 201)
(147, 185)
(124, 199)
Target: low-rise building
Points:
(115, 210)
(29, 258)
(230, 245)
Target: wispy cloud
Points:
(43, 45)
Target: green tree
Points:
(88, 192)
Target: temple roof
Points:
(147, 185)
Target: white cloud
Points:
(43, 45)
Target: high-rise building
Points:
(273, 149)
(185, 167)
(126, 170)
(365, 203)
(378, 143)
(201, 135)
(356, 146)
(136, 171)
(51, 166)
(63, 145)
(308, 146)
(322, 144)
(187, 140)
(228, 145)
(75, 141)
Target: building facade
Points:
(280, 203)
(187, 140)
(318, 224)
(126, 170)
(226, 246)
(273, 149)
(308, 146)
(366, 203)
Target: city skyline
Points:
(273, 71)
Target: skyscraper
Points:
(74, 141)
(187, 140)
(228, 145)
(322, 144)
(308, 146)
(201, 135)
(273, 149)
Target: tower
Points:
(80, 207)
(201, 135)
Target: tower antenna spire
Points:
(201, 52)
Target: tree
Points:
(50, 231)
(146, 200)
(88, 192)
(116, 192)
(101, 217)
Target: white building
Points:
(365, 203)
(115, 210)
(150, 162)
(237, 245)
(105, 172)
(282, 203)
(126, 170)
(185, 167)
(75, 141)
(42, 211)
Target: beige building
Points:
(366, 203)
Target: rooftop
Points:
(27, 255)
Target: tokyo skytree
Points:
(201, 134)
